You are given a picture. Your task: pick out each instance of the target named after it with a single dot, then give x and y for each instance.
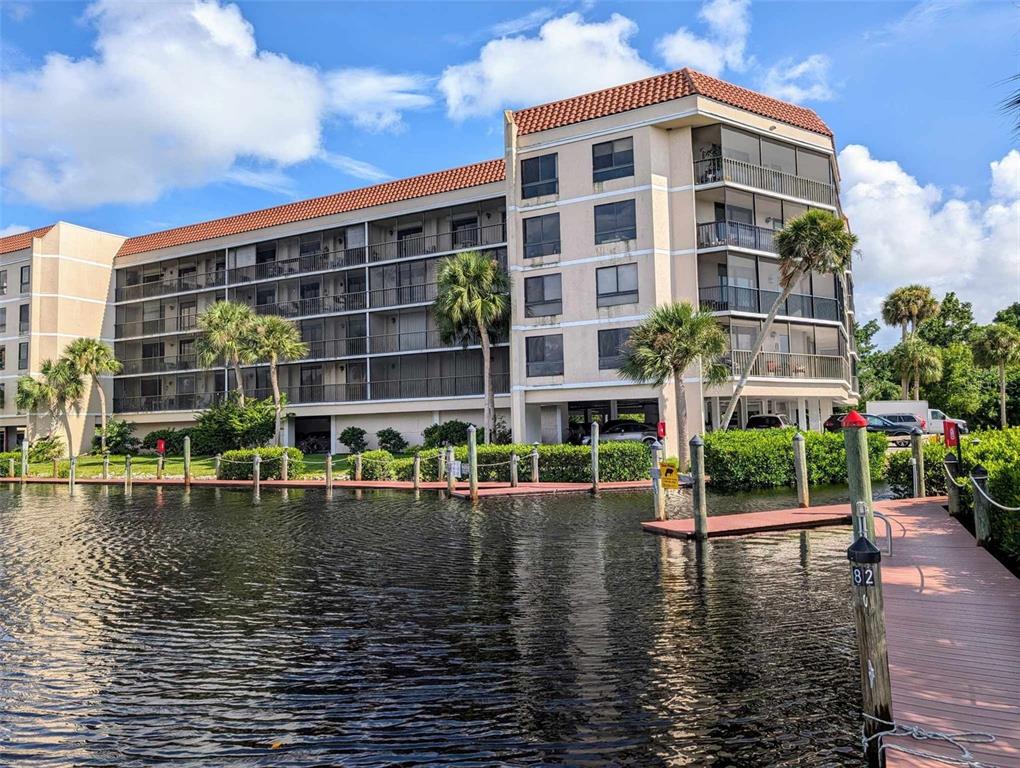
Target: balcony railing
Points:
(158, 325)
(159, 364)
(442, 386)
(715, 234)
(403, 294)
(716, 169)
(317, 262)
(728, 298)
(791, 365)
(181, 402)
(327, 348)
(192, 282)
(424, 245)
(406, 341)
(317, 305)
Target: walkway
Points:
(754, 522)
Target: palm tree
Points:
(908, 307)
(473, 299)
(63, 388)
(917, 360)
(93, 358)
(816, 241)
(895, 311)
(227, 332)
(30, 398)
(671, 339)
(997, 346)
(277, 339)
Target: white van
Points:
(932, 418)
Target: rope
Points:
(952, 479)
(916, 732)
(992, 501)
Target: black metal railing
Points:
(402, 389)
(191, 282)
(159, 364)
(717, 169)
(715, 234)
(728, 298)
(315, 262)
(425, 245)
(347, 347)
(791, 365)
(158, 325)
(403, 294)
(180, 402)
(317, 305)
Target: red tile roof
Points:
(390, 192)
(21, 240)
(657, 89)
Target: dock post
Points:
(698, 488)
(982, 525)
(473, 462)
(106, 465)
(658, 497)
(917, 450)
(56, 468)
(858, 474)
(10, 468)
(416, 473)
(594, 457)
(256, 474)
(159, 467)
(127, 473)
(952, 468)
(534, 462)
(187, 461)
(72, 466)
(329, 475)
(869, 614)
(284, 466)
(441, 472)
(514, 459)
(450, 479)
(800, 470)
(216, 465)
(357, 466)
(24, 461)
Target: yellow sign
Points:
(670, 477)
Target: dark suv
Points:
(898, 433)
(768, 421)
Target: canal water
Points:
(200, 629)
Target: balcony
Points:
(154, 403)
(159, 364)
(728, 298)
(191, 282)
(318, 262)
(317, 305)
(448, 386)
(424, 245)
(718, 234)
(403, 294)
(791, 365)
(157, 325)
(417, 341)
(328, 348)
(719, 169)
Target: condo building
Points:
(603, 206)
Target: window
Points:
(3, 395)
(545, 355)
(615, 222)
(265, 252)
(310, 244)
(23, 356)
(23, 319)
(611, 344)
(3, 282)
(543, 296)
(3, 358)
(616, 285)
(3, 319)
(542, 236)
(26, 279)
(264, 296)
(465, 232)
(612, 159)
(538, 176)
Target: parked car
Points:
(932, 419)
(625, 430)
(768, 421)
(898, 434)
(908, 420)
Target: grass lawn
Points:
(173, 466)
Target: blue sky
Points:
(156, 126)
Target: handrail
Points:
(427, 245)
(191, 282)
(714, 234)
(791, 365)
(313, 262)
(718, 169)
(989, 499)
(723, 298)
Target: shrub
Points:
(174, 440)
(118, 437)
(900, 476)
(740, 460)
(391, 440)
(227, 426)
(314, 444)
(238, 464)
(403, 469)
(45, 449)
(453, 432)
(354, 439)
(5, 463)
(376, 465)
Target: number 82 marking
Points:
(863, 577)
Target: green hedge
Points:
(744, 460)
(237, 465)
(375, 465)
(5, 458)
(900, 476)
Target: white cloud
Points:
(729, 25)
(13, 229)
(910, 232)
(799, 81)
(176, 95)
(1006, 176)
(524, 23)
(359, 169)
(568, 56)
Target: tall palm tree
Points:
(30, 398)
(227, 332)
(908, 307)
(816, 241)
(917, 360)
(277, 339)
(997, 346)
(896, 311)
(473, 299)
(64, 388)
(93, 358)
(671, 339)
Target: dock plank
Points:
(754, 522)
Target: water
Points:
(201, 630)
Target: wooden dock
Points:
(952, 614)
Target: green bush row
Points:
(238, 465)
(743, 460)
(223, 427)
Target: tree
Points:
(917, 360)
(997, 346)
(277, 339)
(958, 392)
(93, 358)
(473, 299)
(953, 323)
(31, 397)
(906, 307)
(227, 331)
(671, 339)
(817, 241)
(63, 388)
(1010, 315)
